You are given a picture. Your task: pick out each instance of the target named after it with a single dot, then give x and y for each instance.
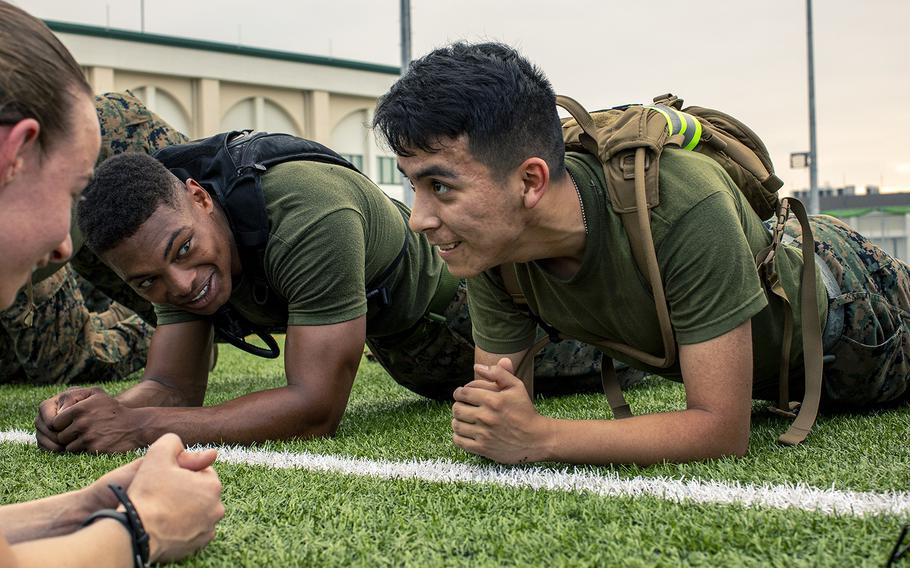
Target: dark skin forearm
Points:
(275, 414)
(320, 361)
(158, 392)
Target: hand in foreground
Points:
(48, 410)
(96, 422)
(98, 495)
(494, 417)
(178, 497)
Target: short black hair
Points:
(488, 91)
(126, 190)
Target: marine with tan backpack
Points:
(652, 231)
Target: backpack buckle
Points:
(627, 164)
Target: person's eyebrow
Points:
(167, 250)
(433, 170)
(170, 241)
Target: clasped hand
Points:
(86, 420)
(493, 417)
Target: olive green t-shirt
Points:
(706, 237)
(333, 233)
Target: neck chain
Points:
(584, 218)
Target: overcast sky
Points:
(746, 58)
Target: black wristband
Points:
(130, 520)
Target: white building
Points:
(202, 88)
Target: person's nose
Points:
(180, 282)
(63, 251)
(423, 214)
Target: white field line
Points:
(573, 480)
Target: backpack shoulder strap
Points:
(804, 413)
(629, 151)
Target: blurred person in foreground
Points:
(166, 504)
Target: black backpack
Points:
(230, 166)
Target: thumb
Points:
(502, 374)
(166, 449)
(506, 364)
(70, 397)
(196, 461)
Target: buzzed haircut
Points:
(126, 190)
(488, 91)
(38, 76)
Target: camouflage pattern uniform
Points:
(126, 126)
(433, 358)
(866, 330)
(53, 337)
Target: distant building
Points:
(882, 217)
(203, 87)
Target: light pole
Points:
(405, 61)
(813, 150)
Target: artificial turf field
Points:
(318, 514)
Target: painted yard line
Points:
(825, 501)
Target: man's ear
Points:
(198, 195)
(16, 141)
(535, 180)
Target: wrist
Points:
(548, 439)
(126, 515)
(145, 427)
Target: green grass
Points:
(293, 517)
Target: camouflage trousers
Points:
(60, 339)
(868, 319)
(433, 358)
(55, 338)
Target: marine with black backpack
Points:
(254, 233)
(652, 231)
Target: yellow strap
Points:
(682, 123)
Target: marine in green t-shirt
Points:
(494, 186)
(334, 239)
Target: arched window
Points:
(349, 138)
(258, 113)
(164, 105)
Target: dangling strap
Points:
(613, 390)
(525, 370)
(811, 327)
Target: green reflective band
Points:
(679, 122)
(681, 116)
(672, 120)
(694, 136)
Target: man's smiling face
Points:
(183, 255)
(472, 215)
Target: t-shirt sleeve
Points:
(319, 269)
(499, 325)
(709, 273)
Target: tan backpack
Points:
(628, 142)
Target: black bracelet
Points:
(130, 520)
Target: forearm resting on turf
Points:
(718, 378)
(42, 518)
(275, 414)
(681, 436)
(104, 543)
